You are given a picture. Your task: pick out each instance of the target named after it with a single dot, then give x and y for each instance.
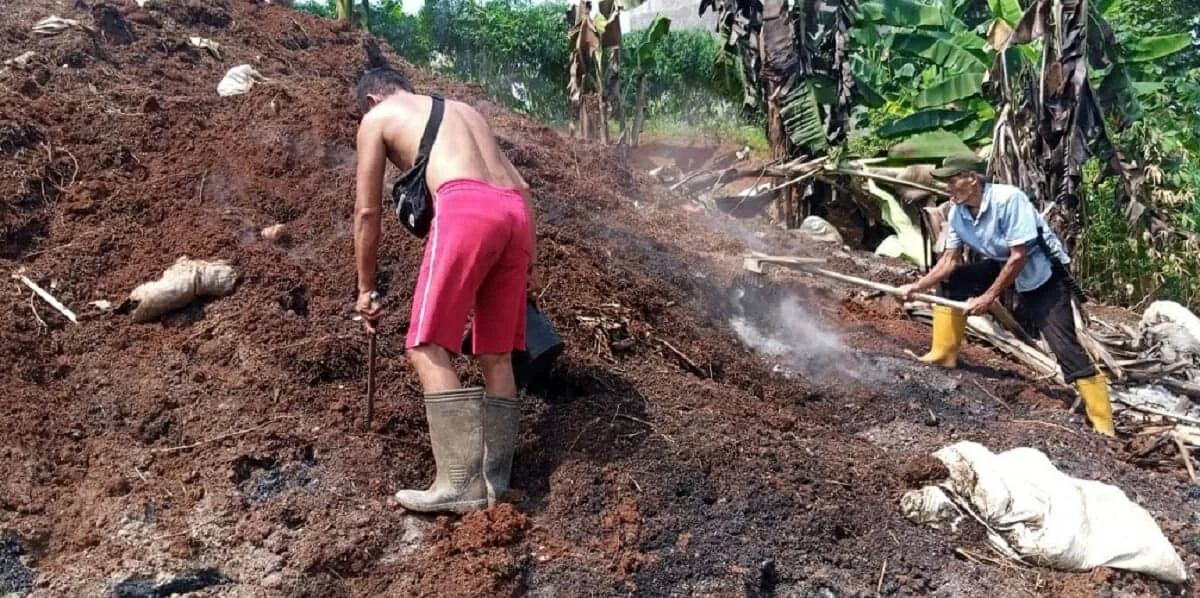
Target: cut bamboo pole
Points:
(55, 303)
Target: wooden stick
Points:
(893, 180)
(48, 297)
(203, 442)
(882, 572)
(692, 364)
(1187, 457)
(886, 288)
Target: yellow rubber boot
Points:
(1094, 392)
(949, 326)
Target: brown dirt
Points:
(228, 437)
(923, 470)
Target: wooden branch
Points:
(48, 297)
(1004, 341)
(886, 288)
(207, 441)
(691, 364)
(892, 180)
(1167, 414)
(1006, 319)
(1185, 455)
(1092, 346)
(771, 170)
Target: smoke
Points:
(802, 344)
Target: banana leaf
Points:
(950, 90)
(1119, 96)
(920, 122)
(1148, 87)
(1101, 41)
(931, 146)
(940, 52)
(802, 119)
(907, 243)
(903, 13)
(659, 28)
(977, 130)
(867, 94)
(1032, 24)
(1107, 7)
(1008, 10)
(1153, 48)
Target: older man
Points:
(1000, 223)
(478, 256)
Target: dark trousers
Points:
(1048, 307)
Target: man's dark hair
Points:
(380, 81)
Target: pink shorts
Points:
(476, 257)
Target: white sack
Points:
(184, 281)
(21, 61)
(821, 230)
(55, 25)
(1175, 327)
(239, 80)
(206, 44)
(1042, 516)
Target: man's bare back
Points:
(465, 146)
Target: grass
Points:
(716, 133)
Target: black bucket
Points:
(543, 345)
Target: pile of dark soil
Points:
(675, 450)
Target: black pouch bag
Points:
(410, 195)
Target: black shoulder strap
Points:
(431, 126)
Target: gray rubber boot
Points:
(456, 434)
(501, 422)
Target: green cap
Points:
(959, 163)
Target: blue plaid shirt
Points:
(1006, 219)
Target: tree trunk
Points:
(615, 97)
(781, 208)
(603, 120)
(639, 110)
(585, 121)
(345, 9)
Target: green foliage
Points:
(1116, 262)
(687, 78)
(802, 119)
(517, 50)
(650, 40)
(918, 66)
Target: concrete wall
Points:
(684, 14)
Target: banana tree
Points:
(1047, 132)
(344, 9)
(644, 56)
(583, 84)
(794, 58)
(1031, 107)
(609, 21)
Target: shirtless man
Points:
(479, 253)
